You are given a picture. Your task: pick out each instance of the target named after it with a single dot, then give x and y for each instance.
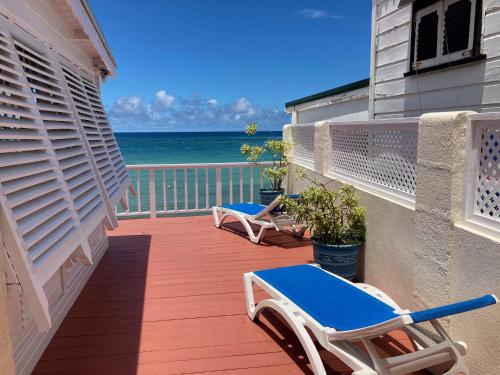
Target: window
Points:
(444, 32)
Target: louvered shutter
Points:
(40, 226)
(92, 131)
(427, 36)
(458, 29)
(107, 134)
(69, 147)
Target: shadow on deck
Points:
(167, 298)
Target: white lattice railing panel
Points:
(487, 195)
(382, 154)
(303, 145)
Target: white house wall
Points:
(353, 110)
(348, 106)
(62, 290)
(475, 86)
(40, 18)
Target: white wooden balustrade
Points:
(161, 189)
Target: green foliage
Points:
(251, 129)
(278, 150)
(333, 217)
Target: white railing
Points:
(161, 189)
(381, 154)
(303, 145)
(483, 177)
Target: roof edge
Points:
(90, 12)
(335, 91)
(83, 13)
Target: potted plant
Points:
(279, 151)
(336, 222)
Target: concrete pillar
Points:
(6, 358)
(440, 166)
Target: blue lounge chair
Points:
(266, 217)
(338, 313)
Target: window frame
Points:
(436, 7)
(423, 7)
(470, 46)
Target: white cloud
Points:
(241, 105)
(164, 113)
(163, 101)
(317, 14)
(128, 106)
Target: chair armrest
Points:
(454, 308)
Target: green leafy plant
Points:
(279, 152)
(333, 217)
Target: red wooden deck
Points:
(167, 298)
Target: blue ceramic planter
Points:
(268, 195)
(342, 260)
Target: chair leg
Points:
(215, 214)
(295, 321)
(298, 326)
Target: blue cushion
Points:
(452, 309)
(331, 301)
(246, 208)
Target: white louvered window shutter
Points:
(107, 134)
(92, 131)
(64, 136)
(40, 225)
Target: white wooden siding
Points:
(475, 86)
(353, 110)
(347, 106)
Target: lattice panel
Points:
(487, 199)
(303, 145)
(384, 156)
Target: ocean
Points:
(175, 148)
(188, 148)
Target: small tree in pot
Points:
(275, 175)
(336, 222)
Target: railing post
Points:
(218, 186)
(152, 194)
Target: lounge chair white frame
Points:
(265, 219)
(433, 351)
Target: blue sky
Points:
(203, 65)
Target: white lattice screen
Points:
(376, 153)
(487, 194)
(303, 145)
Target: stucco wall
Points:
(388, 257)
(475, 265)
(429, 254)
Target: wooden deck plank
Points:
(167, 298)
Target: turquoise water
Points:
(178, 148)
(175, 148)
